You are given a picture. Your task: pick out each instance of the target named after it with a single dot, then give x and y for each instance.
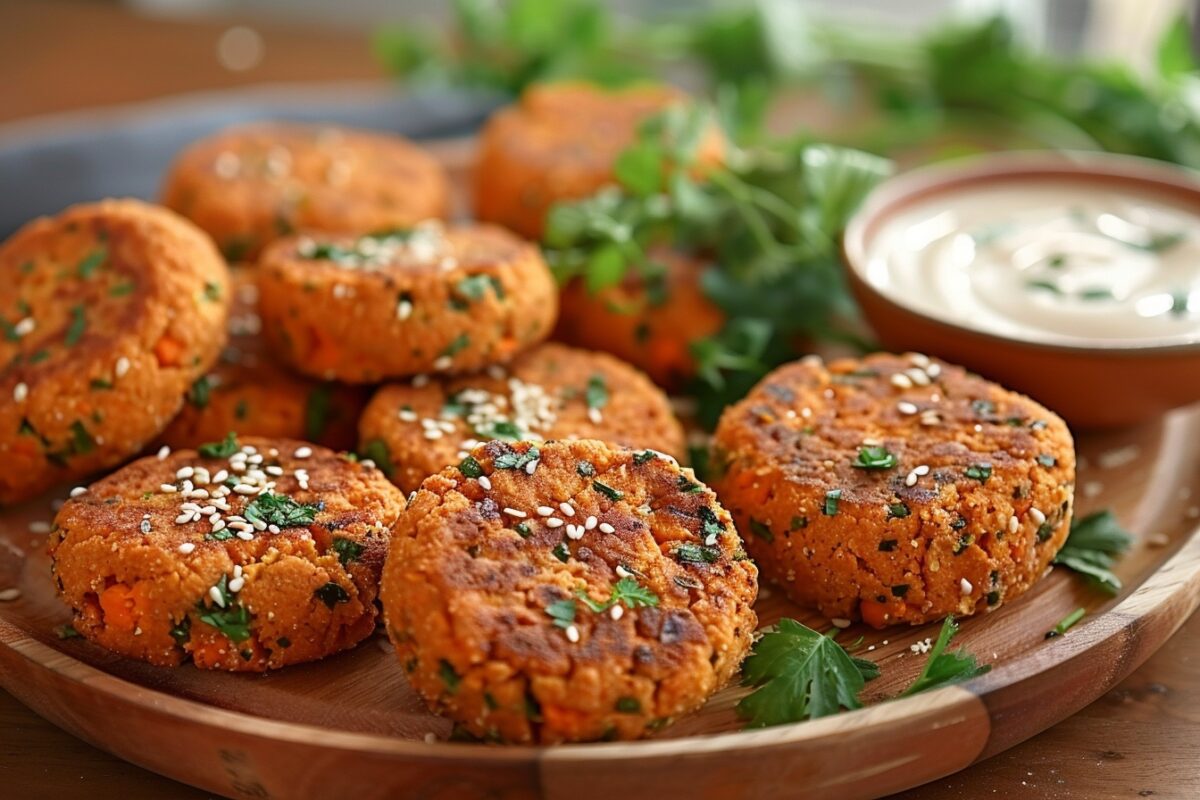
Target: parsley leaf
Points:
(222, 449)
(470, 468)
(229, 618)
(562, 612)
(347, 550)
(874, 458)
(608, 491)
(377, 451)
(1091, 549)
(627, 591)
(316, 411)
(942, 668)
(597, 392)
(800, 674)
(280, 510)
(331, 594)
(515, 460)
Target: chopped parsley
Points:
(470, 468)
(1066, 623)
(212, 291)
(626, 591)
(644, 456)
(222, 449)
(1047, 460)
(585, 469)
(91, 262)
(561, 552)
(898, 511)
(331, 594)
(597, 392)
(347, 550)
(523, 530)
(1092, 547)
(760, 530)
(608, 491)
(316, 411)
(449, 677)
(696, 554)
(562, 612)
(200, 392)
(229, 618)
(942, 668)
(688, 486)
(515, 460)
(832, 498)
(281, 511)
(460, 343)
(377, 451)
(874, 458)
(474, 287)
(628, 705)
(122, 289)
(799, 674)
(979, 472)
(182, 631)
(76, 327)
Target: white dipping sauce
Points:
(1060, 262)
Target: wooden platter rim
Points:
(1162, 592)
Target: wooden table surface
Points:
(1140, 740)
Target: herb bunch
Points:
(768, 221)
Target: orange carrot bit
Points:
(118, 604)
(169, 351)
(874, 613)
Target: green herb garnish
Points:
(760, 530)
(347, 550)
(377, 450)
(942, 668)
(832, 498)
(222, 449)
(562, 612)
(516, 460)
(470, 468)
(608, 491)
(200, 392)
(76, 327)
(597, 392)
(979, 472)
(280, 510)
(1066, 623)
(1092, 547)
(331, 594)
(91, 262)
(874, 458)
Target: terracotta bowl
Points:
(1104, 385)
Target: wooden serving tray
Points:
(349, 726)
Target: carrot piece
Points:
(874, 613)
(118, 604)
(169, 351)
(568, 720)
(208, 653)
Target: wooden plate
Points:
(350, 726)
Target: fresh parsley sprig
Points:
(943, 668)
(1092, 548)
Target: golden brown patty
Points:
(652, 324)
(251, 184)
(251, 393)
(598, 595)
(897, 489)
(431, 299)
(550, 392)
(186, 556)
(110, 311)
(560, 143)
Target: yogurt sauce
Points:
(1059, 262)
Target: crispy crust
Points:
(653, 330)
(251, 184)
(466, 594)
(551, 379)
(560, 143)
(473, 295)
(129, 589)
(127, 304)
(250, 393)
(894, 553)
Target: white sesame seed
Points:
(245, 536)
(442, 363)
(302, 452)
(20, 392)
(217, 597)
(187, 547)
(513, 512)
(273, 528)
(485, 482)
(911, 478)
(554, 522)
(220, 476)
(616, 612)
(167, 488)
(39, 526)
(590, 523)
(404, 310)
(933, 370)
(78, 490)
(902, 381)
(10, 594)
(236, 584)
(920, 359)
(121, 367)
(594, 416)
(1014, 524)
(839, 622)
(274, 470)
(622, 572)
(433, 433)
(917, 376)
(567, 509)
(218, 525)
(574, 531)
(245, 488)
(408, 415)
(1037, 515)
(532, 466)
(184, 472)
(606, 528)
(24, 327)
(544, 511)
(905, 407)
(966, 586)
(572, 634)
(184, 518)
(922, 469)
(419, 381)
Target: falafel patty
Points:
(560, 142)
(250, 393)
(428, 299)
(249, 185)
(651, 321)
(567, 591)
(249, 555)
(110, 311)
(550, 392)
(895, 489)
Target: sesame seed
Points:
(245, 536)
(1014, 524)
(532, 466)
(917, 376)
(433, 433)
(404, 310)
(419, 381)
(554, 522)
(122, 367)
(513, 512)
(184, 518)
(274, 470)
(39, 526)
(574, 532)
(78, 490)
(218, 525)
(572, 634)
(10, 594)
(1037, 515)
(442, 363)
(902, 381)
(408, 415)
(187, 547)
(966, 586)
(544, 511)
(485, 482)
(839, 622)
(911, 478)
(622, 572)
(216, 596)
(273, 528)
(933, 370)
(567, 509)
(616, 612)
(20, 392)
(905, 407)
(302, 452)
(590, 523)
(922, 469)
(594, 416)
(184, 473)
(920, 359)
(236, 584)
(606, 528)
(24, 327)
(245, 488)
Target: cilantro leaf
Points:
(347, 550)
(222, 449)
(799, 674)
(874, 458)
(597, 392)
(515, 460)
(280, 510)
(562, 612)
(1091, 549)
(942, 668)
